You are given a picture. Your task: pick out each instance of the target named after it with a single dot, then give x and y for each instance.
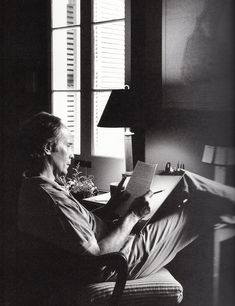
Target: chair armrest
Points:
(117, 262)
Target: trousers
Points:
(162, 239)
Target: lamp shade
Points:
(219, 155)
(121, 110)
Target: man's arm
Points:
(115, 239)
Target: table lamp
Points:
(221, 157)
(120, 111)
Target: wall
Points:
(181, 136)
(198, 54)
(24, 91)
(192, 103)
(25, 84)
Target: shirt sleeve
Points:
(76, 223)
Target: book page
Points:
(139, 183)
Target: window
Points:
(105, 70)
(66, 48)
(108, 33)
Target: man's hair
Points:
(41, 130)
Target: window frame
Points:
(86, 82)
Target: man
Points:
(49, 212)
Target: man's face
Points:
(62, 154)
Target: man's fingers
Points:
(120, 184)
(125, 195)
(148, 209)
(148, 194)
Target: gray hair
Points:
(41, 130)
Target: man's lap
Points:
(159, 243)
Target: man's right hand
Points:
(140, 206)
(119, 196)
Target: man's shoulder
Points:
(41, 182)
(46, 192)
(39, 188)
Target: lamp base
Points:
(128, 151)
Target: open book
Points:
(143, 179)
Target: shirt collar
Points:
(44, 179)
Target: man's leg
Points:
(200, 186)
(159, 243)
(162, 240)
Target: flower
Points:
(80, 185)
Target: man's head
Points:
(46, 141)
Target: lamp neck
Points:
(128, 132)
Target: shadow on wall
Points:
(198, 54)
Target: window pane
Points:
(106, 141)
(65, 13)
(108, 10)
(66, 105)
(109, 55)
(66, 59)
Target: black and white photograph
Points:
(117, 150)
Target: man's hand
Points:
(140, 206)
(119, 196)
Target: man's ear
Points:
(47, 149)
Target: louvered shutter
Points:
(108, 70)
(66, 66)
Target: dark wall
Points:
(25, 83)
(24, 90)
(1, 163)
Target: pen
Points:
(158, 191)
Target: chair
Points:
(49, 276)
(160, 289)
